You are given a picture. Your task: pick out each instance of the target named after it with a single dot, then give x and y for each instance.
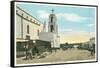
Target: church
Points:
(31, 32)
(52, 34)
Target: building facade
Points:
(27, 27)
(27, 31)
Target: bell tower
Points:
(52, 34)
(52, 25)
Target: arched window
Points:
(27, 29)
(38, 32)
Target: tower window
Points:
(51, 28)
(51, 19)
(27, 29)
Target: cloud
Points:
(65, 30)
(71, 17)
(74, 17)
(75, 32)
(91, 25)
(42, 14)
(76, 36)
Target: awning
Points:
(21, 40)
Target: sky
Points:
(75, 23)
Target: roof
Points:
(29, 15)
(21, 40)
(93, 38)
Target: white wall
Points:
(46, 36)
(5, 35)
(18, 26)
(33, 28)
(51, 37)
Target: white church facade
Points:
(52, 34)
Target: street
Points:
(73, 54)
